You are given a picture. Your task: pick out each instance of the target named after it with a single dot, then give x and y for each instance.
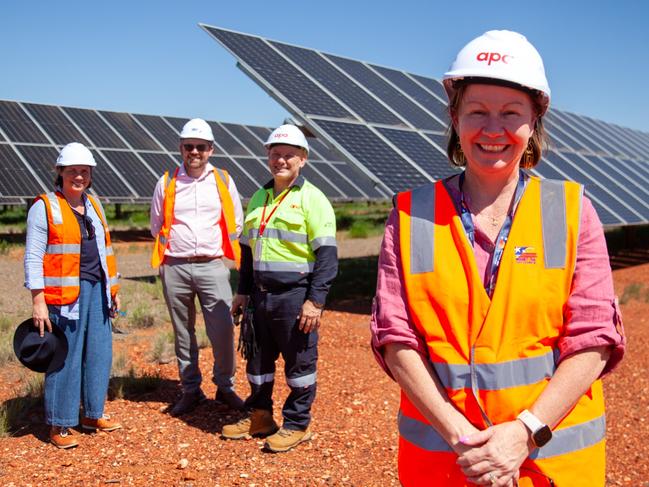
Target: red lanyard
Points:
(264, 220)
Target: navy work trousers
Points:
(277, 331)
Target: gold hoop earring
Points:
(528, 156)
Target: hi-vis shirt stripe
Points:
(57, 215)
(497, 376)
(283, 266)
(553, 217)
(63, 248)
(318, 242)
(61, 281)
(285, 235)
(563, 441)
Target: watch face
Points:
(542, 436)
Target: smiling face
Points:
(195, 154)
(285, 162)
(75, 179)
(494, 124)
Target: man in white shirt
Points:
(196, 218)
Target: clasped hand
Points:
(493, 456)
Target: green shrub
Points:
(132, 385)
(142, 317)
(631, 291)
(162, 351)
(201, 338)
(360, 229)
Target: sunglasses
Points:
(198, 147)
(90, 228)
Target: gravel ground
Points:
(354, 414)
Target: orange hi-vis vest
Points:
(495, 356)
(227, 222)
(62, 259)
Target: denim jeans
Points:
(86, 371)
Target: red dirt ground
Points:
(354, 419)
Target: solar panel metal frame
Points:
(575, 136)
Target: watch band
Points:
(541, 433)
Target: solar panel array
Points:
(133, 151)
(391, 124)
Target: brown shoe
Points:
(62, 437)
(102, 424)
(286, 439)
(259, 423)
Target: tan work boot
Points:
(62, 437)
(102, 424)
(259, 423)
(286, 439)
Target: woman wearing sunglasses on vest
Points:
(495, 309)
(71, 272)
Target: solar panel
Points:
(16, 180)
(132, 151)
(18, 126)
(55, 123)
(391, 125)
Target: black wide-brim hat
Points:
(40, 354)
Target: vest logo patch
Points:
(525, 255)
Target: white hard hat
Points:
(500, 55)
(197, 128)
(287, 134)
(75, 154)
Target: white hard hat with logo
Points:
(197, 128)
(75, 154)
(287, 134)
(500, 55)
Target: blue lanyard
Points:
(501, 240)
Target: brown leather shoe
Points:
(259, 423)
(62, 437)
(102, 424)
(286, 439)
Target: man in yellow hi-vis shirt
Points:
(288, 262)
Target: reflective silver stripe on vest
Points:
(260, 379)
(57, 215)
(304, 381)
(285, 235)
(63, 248)
(61, 281)
(244, 240)
(163, 240)
(221, 173)
(114, 281)
(563, 441)
(109, 250)
(233, 236)
(283, 266)
(316, 243)
(573, 438)
(553, 221)
(497, 376)
(422, 225)
(102, 215)
(421, 434)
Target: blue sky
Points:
(147, 56)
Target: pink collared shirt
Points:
(195, 229)
(593, 317)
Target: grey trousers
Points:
(210, 281)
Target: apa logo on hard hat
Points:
(493, 57)
(287, 134)
(197, 128)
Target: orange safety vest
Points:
(62, 259)
(495, 356)
(227, 222)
